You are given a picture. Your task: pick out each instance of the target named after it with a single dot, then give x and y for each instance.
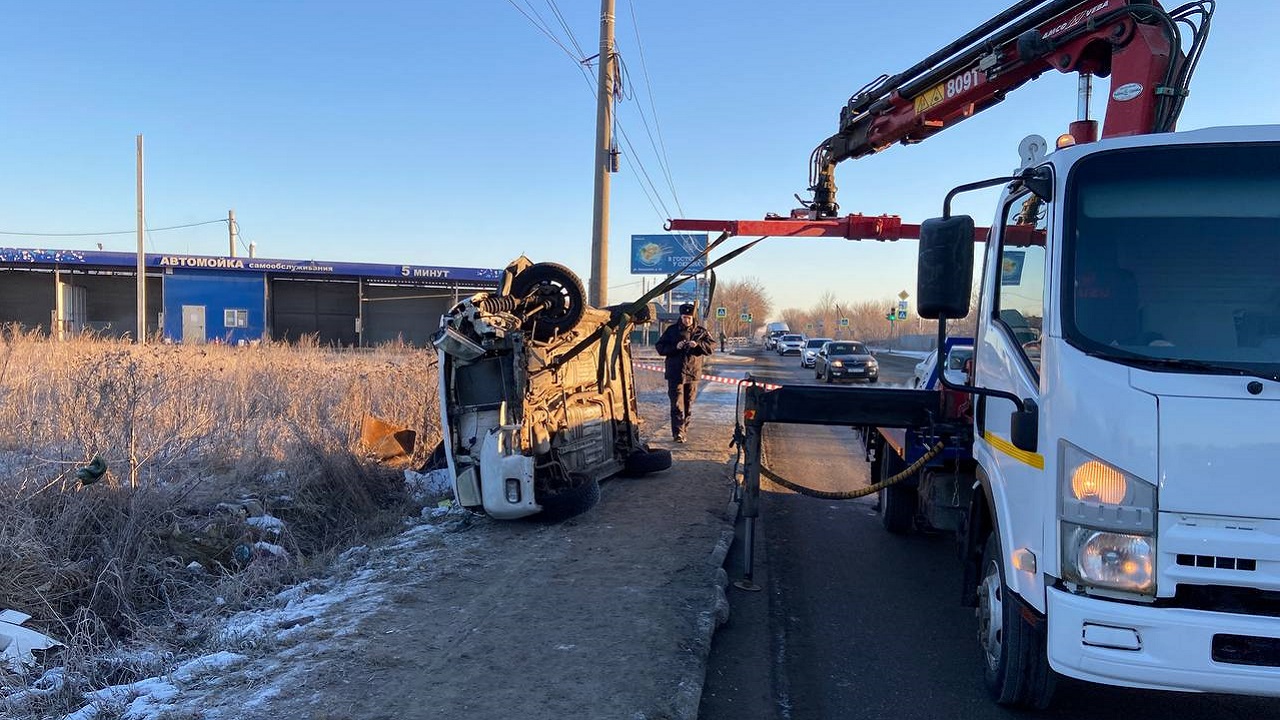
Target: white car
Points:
(791, 343)
(809, 354)
(954, 367)
(519, 441)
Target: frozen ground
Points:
(608, 615)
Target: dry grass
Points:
(195, 439)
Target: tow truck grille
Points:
(1221, 598)
(1247, 650)
(1221, 563)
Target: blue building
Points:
(199, 298)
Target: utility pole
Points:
(233, 232)
(142, 259)
(604, 158)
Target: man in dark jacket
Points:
(683, 344)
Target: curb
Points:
(688, 696)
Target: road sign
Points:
(902, 314)
(902, 306)
(844, 322)
(722, 312)
(903, 295)
(745, 317)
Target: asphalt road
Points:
(851, 622)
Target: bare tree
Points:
(740, 297)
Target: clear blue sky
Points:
(456, 133)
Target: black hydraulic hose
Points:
(916, 85)
(860, 102)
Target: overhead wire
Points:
(555, 10)
(644, 69)
(651, 192)
(112, 232)
(543, 30)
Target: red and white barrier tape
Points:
(711, 378)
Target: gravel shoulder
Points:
(607, 615)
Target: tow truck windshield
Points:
(1173, 256)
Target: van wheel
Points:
(582, 494)
(1014, 651)
(558, 291)
(648, 460)
(898, 501)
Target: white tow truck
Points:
(1110, 479)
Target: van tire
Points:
(564, 503)
(646, 461)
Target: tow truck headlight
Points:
(1116, 561)
(1108, 525)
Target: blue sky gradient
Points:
(459, 134)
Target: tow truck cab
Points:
(1139, 529)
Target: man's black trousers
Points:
(681, 394)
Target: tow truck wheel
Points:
(898, 501)
(559, 289)
(1016, 662)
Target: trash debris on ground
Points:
(93, 472)
(384, 441)
(18, 642)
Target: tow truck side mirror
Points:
(1024, 426)
(945, 267)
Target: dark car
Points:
(845, 360)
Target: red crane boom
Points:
(1135, 42)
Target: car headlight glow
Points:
(1108, 528)
(837, 363)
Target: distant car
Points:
(790, 343)
(957, 355)
(845, 360)
(810, 352)
(771, 340)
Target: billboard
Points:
(687, 291)
(666, 254)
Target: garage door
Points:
(325, 310)
(406, 314)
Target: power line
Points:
(644, 69)
(543, 30)
(634, 158)
(556, 11)
(113, 232)
(644, 172)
